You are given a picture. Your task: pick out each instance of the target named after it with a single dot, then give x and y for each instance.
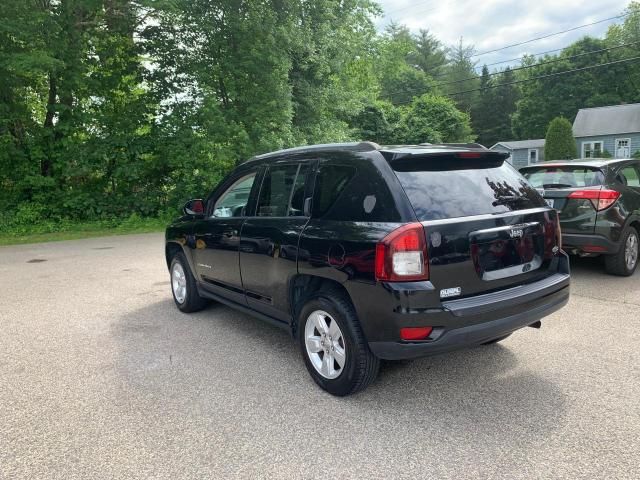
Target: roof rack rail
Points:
(350, 147)
(455, 145)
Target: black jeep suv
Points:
(366, 253)
(599, 206)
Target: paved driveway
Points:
(101, 377)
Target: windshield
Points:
(564, 177)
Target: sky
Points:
(491, 24)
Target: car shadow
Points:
(227, 360)
(587, 265)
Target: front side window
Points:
(592, 150)
(234, 200)
(282, 191)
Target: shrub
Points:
(560, 143)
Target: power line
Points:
(559, 59)
(531, 41)
(523, 57)
(540, 77)
(506, 61)
(524, 67)
(546, 76)
(549, 35)
(396, 10)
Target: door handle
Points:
(230, 233)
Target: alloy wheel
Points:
(631, 251)
(325, 344)
(179, 282)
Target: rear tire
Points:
(496, 340)
(333, 346)
(183, 286)
(624, 262)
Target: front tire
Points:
(333, 346)
(624, 262)
(183, 286)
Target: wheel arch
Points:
(635, 223)
(171, 249)
(303, 286)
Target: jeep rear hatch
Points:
(485, 226)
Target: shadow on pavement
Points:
(222, 362)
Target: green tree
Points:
(496, 104)
(506, 99)
(483, 111)
(376, 122)
(400, 78)
(560, 143)
(461, 78)
(542, 99)
(429, 55)
(432, 119)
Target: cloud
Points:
(492, 24)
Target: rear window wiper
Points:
(557, 185)
(502, 199)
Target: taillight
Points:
(600, 199)
(401, 256)
(415, 333)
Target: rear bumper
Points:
(579, 243)
(508, 311)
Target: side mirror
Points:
(194, 207)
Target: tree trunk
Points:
(46, 163)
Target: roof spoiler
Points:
(460, 159)
(455, 145)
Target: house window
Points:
(591, 149)
(533, 156)
(623, 147)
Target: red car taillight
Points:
(401, 256)
(415, 333)
(600, 199)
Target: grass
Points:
(76, 230)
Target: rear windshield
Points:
(564, 177)
(467, 188)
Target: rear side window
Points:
(466, 188)
(629, 176)
(331, 182)
(282, 191)
(569, 176)
(356, 193)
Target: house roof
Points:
(519, 144)
(610, 120)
